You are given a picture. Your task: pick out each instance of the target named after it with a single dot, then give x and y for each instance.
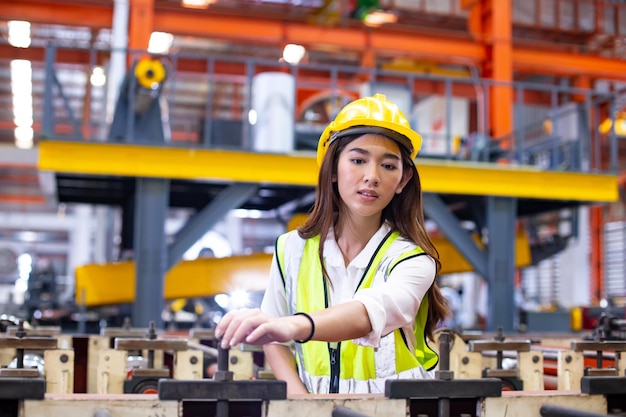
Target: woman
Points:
(354, 287)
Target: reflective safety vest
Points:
(346, 367)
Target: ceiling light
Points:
(293, 53)
(19, 33)
(252, 117)
(22, 98)
(196, 4)
(98, 77)
(160, 42)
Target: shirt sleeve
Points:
(394, 303)
(274, 301)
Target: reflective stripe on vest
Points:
(359, 365)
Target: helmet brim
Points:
(374, 130)
(401, 139)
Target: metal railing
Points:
(207, 101)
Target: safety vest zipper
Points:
(334, 367)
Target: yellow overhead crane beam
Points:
(300, 169)
(106, 284)
(115, 283)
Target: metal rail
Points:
(207, 96)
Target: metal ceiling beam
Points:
(95, 16)
(563, 63)
(22, 198)
(37, 221)
(69, 56)
(277, 32)
(10, 156)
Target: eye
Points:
(357, 161)
(390, 167)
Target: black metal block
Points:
(603, 385)
(435, 388)
(208, 389)
(549, 410)
(13, 388)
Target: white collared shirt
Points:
(390, 305)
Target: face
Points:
(369, 174)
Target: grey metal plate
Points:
(435, 388)
(208, 389)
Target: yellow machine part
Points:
(114, 283)
(104, 284)
(149, 72)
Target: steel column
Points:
(499, 32)
(501, 218)
(47, 128)
(151, 206)
(140, 24)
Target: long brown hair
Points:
(404, 214)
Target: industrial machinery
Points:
(142, 371)
(138, 115)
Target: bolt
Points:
(64, 358)
(500, 335)
(233, 360)
(535, 359)
(21, 332)
(152, 331)
(465, 360)
(568, 358)
(193, 360)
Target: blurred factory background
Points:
(152, 150)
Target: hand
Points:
(253, 327)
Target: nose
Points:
(372, 175)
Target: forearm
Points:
(283, 365)
(344, 321)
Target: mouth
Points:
(369, 194)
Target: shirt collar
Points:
(334, 257)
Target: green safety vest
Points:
(346, 363)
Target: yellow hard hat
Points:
(370, 115)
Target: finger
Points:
(269, 330)
(222, 325)
(232, 322)
(232, 333)
(259, 335)
(249, 323)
